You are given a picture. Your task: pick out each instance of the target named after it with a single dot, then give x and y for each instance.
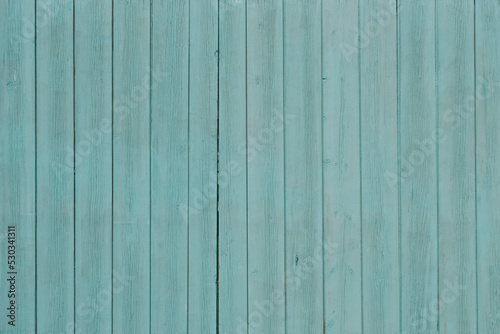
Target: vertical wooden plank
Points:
(488, 165)
(17, 162)
(232, 168)
(341, 168)
(169, 167)
(93, 177)
(418, 169)
(457, 223)
(303, 166)
(265, 161)
(131, 163)
(55, 185)
(203, 133)
(379, 153)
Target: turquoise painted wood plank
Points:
(131, 165)
(418, 165)
(232, 168)
(303, 166)
(265, 161)
(379, 153)
(488, 165)
(456, 211)
(169, 166)
(203, 133)
(341, 168)
(55, 185)
(17, 162)
(93, 170)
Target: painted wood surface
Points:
(379, 154)
(169, 165)
(203, 165)
(487, 84)
(303, 167)
(131, 166)
(265, 168)
(418, 168)
(17, 159)
(250, 166)
(456, 167)
(341, 170)
(55, 136)
(232, 208)
(94, 169)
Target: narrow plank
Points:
(456, 212)
(265, 167)
(232, 168)
(341, 168)
(131, 165)
(55, 177)
(93, 176)
(418, 166)
(379, 154)
(169, 166)
(488, 165)
(17, 161)
(203, 133)
(303, 166)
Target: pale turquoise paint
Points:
(131, 164)
(202, 180)
(232, 167)
(93, 171)
(55, 252)
(417, 144)
(265, 167)
(456, 165)
(169, 166)
(379, 153)
(17, 158)
(326, 217)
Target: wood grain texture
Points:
(457, 223)
(131, 165)
(250, 166)
(379, 153)
(93, 170)
(487, 53)
(55, 186)
(265, 161)
(418, 167)
(341, 169)
(203, 159)
(17, 159)
(232, 168)
(169, 166)
(303, 167)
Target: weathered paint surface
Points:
(249, 166)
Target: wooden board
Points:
(341, 169)
(456, 161)
(169, 166)
(17, 163)
(265, 166)
(203, 164)
(417, 172)
(55, 249)
(131, 166)
(487, 85)
(303, 167)
(379, 154)
(93, 172)
(232, 211)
